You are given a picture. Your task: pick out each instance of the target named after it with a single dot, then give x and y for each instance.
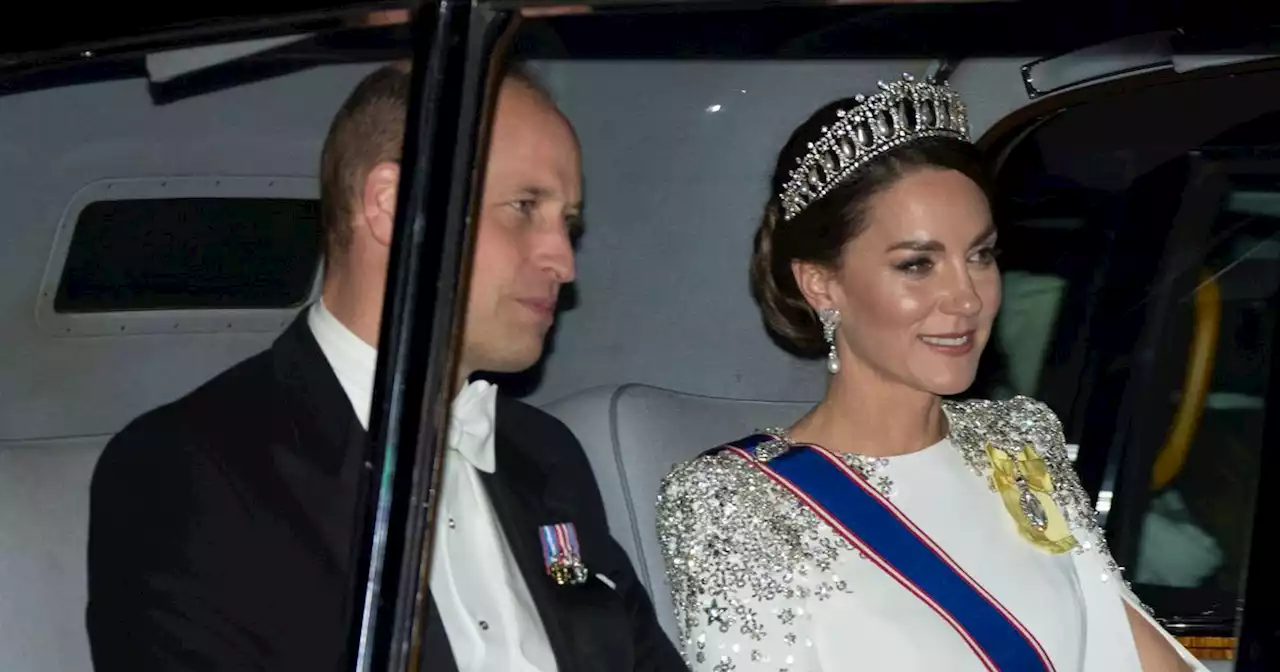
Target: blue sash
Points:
(856, 511)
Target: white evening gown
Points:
(761, 583)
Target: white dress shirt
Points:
(485, 606)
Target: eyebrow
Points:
(536, 192)
(917, 246)
(936, 246)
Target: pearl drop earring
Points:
(830, 318)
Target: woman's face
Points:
(919, 288)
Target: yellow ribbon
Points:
(1055, 536)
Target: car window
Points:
(1204, 477)
(243, 252)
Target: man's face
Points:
(529, 209)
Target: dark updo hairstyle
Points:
(819, 232)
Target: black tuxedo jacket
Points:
(224, 529)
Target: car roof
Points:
(47, 33)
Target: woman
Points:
(888, 529)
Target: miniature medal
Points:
(561, 554)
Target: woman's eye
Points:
(986, 256)
(918, 266)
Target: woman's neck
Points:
(867, 415)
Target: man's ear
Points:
(817, 284)
(378, 201)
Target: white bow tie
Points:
(471, 422)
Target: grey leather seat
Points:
(44, 513)
(633, 435)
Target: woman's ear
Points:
(378, 202)
(817, 284)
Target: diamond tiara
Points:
(899, 113)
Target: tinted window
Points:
(190, 253)
(1205, 473)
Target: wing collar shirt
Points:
(484, 604)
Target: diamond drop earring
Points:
(830, 320)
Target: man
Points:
(225, 526)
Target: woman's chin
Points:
(949, 386)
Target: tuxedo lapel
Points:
(540, 481)
(321, 447)
(515, 490)
(324, 450)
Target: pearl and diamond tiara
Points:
(899, 113)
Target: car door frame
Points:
(458, 50)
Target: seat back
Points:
(634, 435)
(44, 509)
